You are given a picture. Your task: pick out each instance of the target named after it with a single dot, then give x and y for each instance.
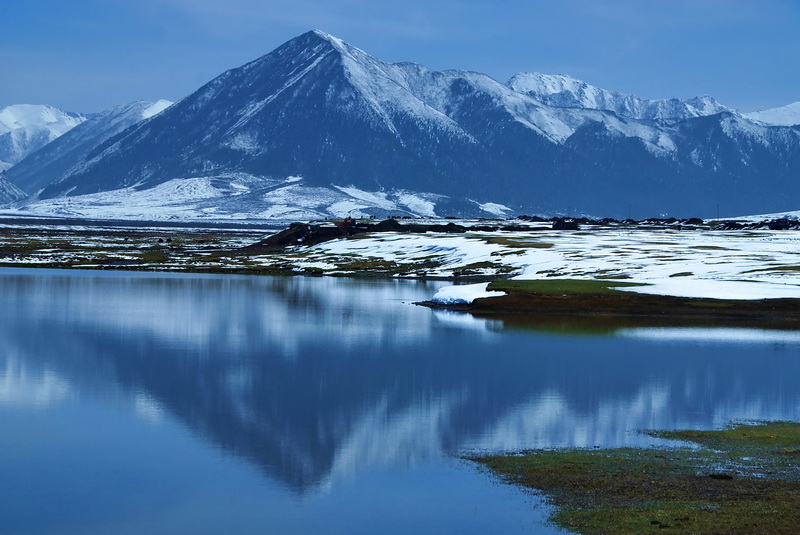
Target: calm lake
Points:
(156, 403)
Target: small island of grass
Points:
(742, 480)
(604, 300)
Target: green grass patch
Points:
(478, 268)
(376, 265)
(511, 242)
(773, 268)
(561, 286)
(154, 256)
(711, 248)
(744, 480)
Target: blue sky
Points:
(90, 55)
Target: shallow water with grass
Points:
(154, 403)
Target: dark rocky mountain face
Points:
(322, 110)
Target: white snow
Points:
(719, 289)
(25, 116)
(466, 293)
(25, 128)
(231, 196)
(567, 92)
(692, 263)
(418, 203)
(156, 108)
(377, 198)
(496, 209)
(784, 116)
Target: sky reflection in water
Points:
(340, 392)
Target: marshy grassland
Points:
(744, 480)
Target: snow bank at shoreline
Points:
(463, 294)
(719, 289)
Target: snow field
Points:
(708, 264)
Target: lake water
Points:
(153, 403)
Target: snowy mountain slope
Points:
(784, 116)
(37, 169)
(451, 142)
(566, 92)
(25, 128)
(237, 197)
(8, 191)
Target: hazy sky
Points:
(90, 55)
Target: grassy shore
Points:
(603, 302)
(741, 480)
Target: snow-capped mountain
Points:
(37, 169)
(320, 128)
(566, 92)
(783, 116)
(25, 128)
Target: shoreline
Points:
(542, 275)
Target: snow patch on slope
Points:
(235, 196)
(495, 209)
(156, 108)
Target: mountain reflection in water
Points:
(316, 379)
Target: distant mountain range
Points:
(63, 153)
(319, 128)
(25, 128)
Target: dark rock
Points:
(452, 227)
(721, 476)
(565, 224)
(298, 234)
(779, 224)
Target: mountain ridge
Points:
(566, 92)
(788, 115)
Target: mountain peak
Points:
(328, 37)
(25, 128)
(37, 115)
(313, 39)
